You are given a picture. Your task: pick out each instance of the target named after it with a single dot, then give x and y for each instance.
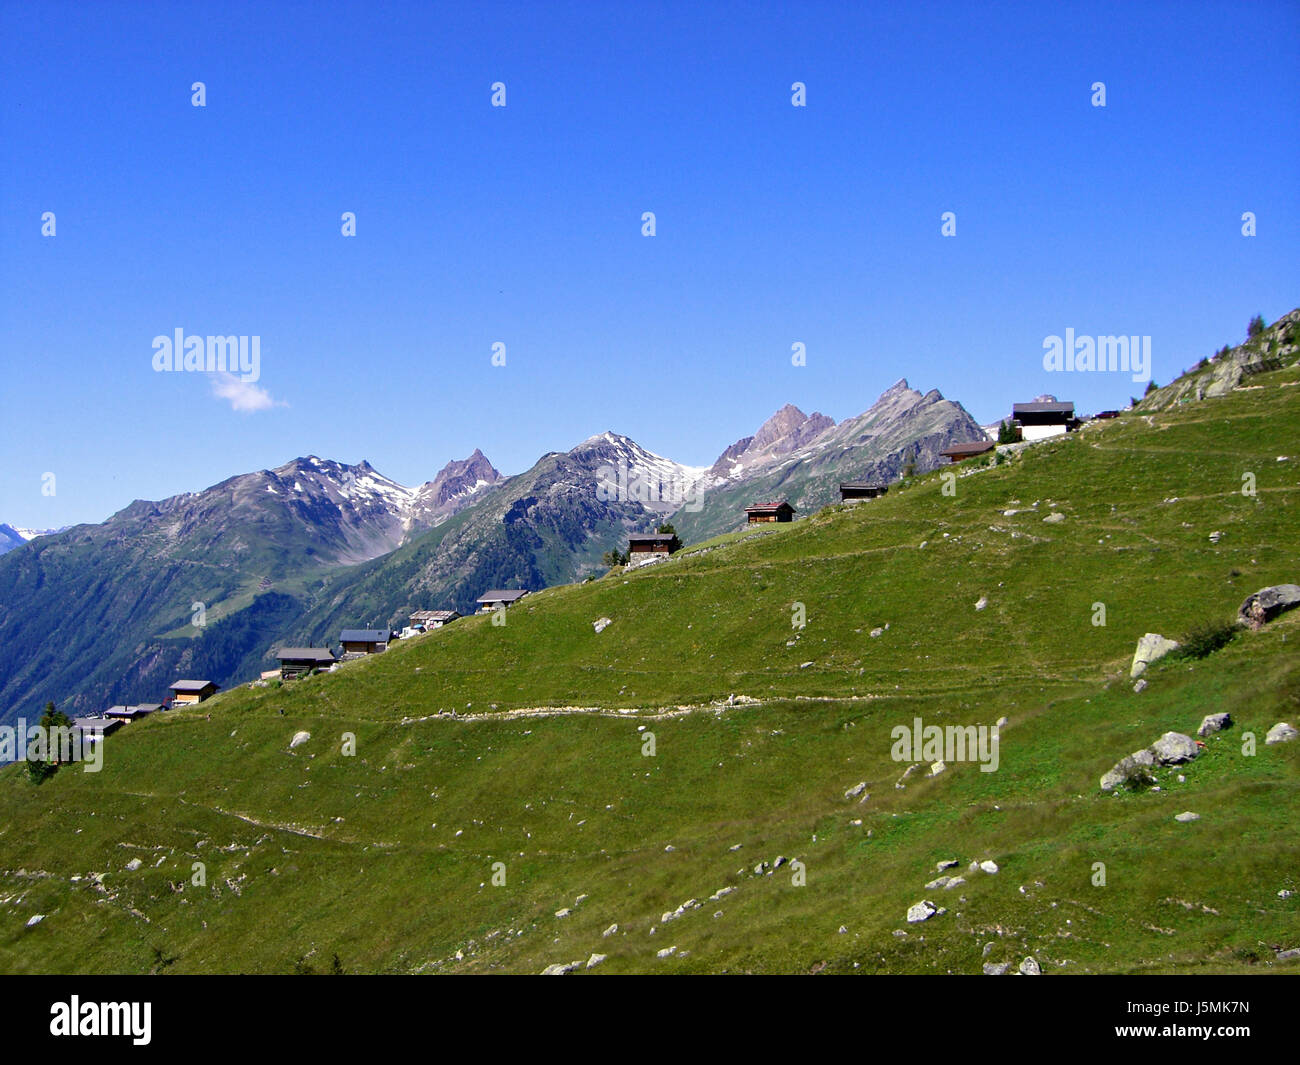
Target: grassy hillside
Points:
(386, 858)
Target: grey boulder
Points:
(1173, 748)
(1268, 603)
(1151, 647)
(1214, 723)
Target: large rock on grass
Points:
(1151, 647)
(1132, 772)
(1174, 747)
(1268, 603)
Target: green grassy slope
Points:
(386, 858)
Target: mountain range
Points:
(211, 583)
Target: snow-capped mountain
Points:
(626, 472)
(12, 536)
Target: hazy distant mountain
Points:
(11, 536)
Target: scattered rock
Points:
(938, 882)
(937, 768)
(1054, 518)
(1281, 733)
(133, 865)
(1214, 723)
(1128, 772)
(563, 913)
(299, 738)
(856, 790)
(804, 665)
(1140, 686)
(600, 625)
(1173, 748)
(561, 968)
(842, 930)
(949, 864)
(921, 911)
(1029, 967)
(666, 952)
(609, 931)
(877, 632)
(956, 881)
(1216, 536)
(982, 603)
(685, 907)
(989, 867)
(595, 960)
(1151, 647)
(1186, 816)
(1288, 955)
(996, 968)
(1268, 603)
(35, 919)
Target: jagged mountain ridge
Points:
(902, 425)
(107, 613)
(787, 430)
(293, 554)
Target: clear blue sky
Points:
(522, 224)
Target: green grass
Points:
(386, 857)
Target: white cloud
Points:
(244, 396)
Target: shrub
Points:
(1255, 327)
(1205, 639)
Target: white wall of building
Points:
(1041, 432)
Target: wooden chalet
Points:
(760, 513)
(1038, 421)
(432, 619)
(652, 544)
(93, 728)
(132, 713)
(499, 597)
(364, 641)
(861, 490)
(961, 452)
(300, 661)
(185, 692)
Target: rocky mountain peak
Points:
(786, 431)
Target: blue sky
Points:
(522, 224)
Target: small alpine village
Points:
(1029, 423)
